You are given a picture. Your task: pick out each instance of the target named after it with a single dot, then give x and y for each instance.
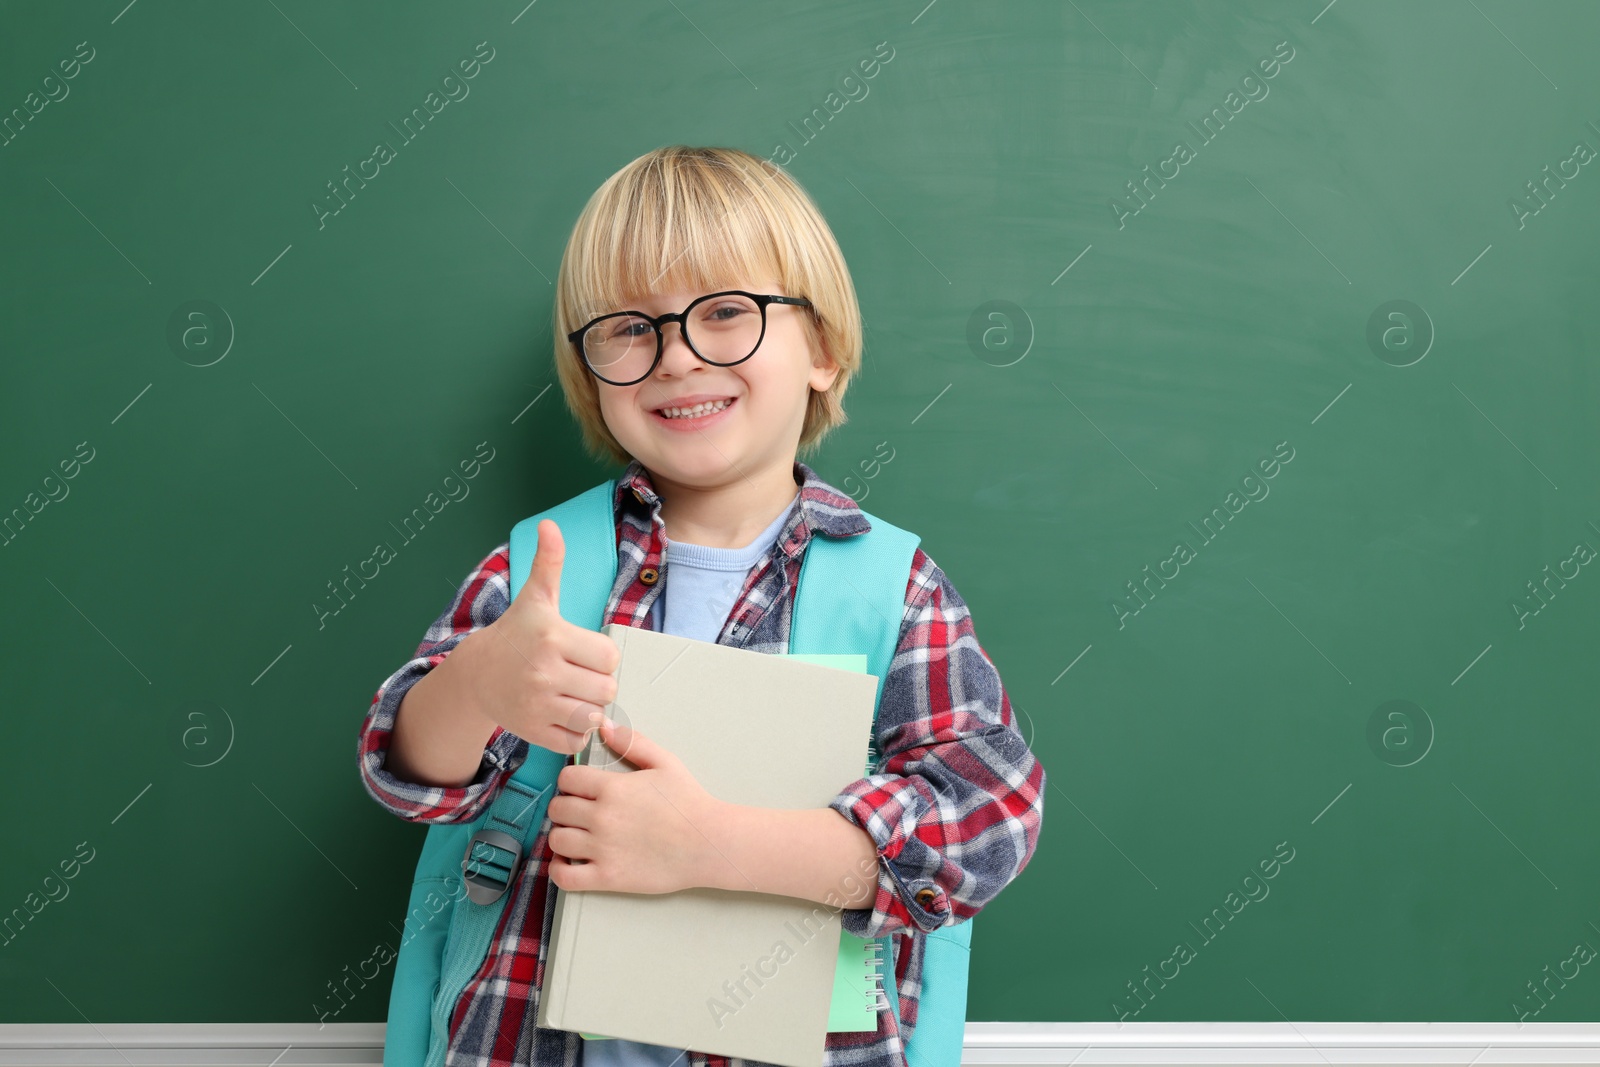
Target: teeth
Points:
(696, 411)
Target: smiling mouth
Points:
(693, 411)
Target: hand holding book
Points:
(649, 831)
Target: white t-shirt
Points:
(702, 583)
(694, 603)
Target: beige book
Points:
(718, 971)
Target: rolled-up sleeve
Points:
(482, 598)
(957, 802)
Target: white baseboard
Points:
(987, 1044)
(1273, 1044)
(190, 1045)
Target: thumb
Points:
(634, 746)
(544, 575)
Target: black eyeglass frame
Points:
(658, 321)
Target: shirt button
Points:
(638, 496)
(925, 897)
(649, 575)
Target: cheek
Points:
(615, 403)
(613, 412)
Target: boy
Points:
(744, 334)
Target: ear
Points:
(822, 378)
(824, 369)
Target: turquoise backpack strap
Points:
(852, 595)
(460, 888)
(852, 598)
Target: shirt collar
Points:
(823, 508)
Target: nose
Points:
(676, 355)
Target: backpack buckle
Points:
(485, 868)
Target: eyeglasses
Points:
(723, 329)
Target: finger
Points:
(569, 809)
(582, 781)
(581, 685)
(558, 738)
(577, 717)
(573, 876)
(589, 649)
(544, 576)
(576, 721)
(634, 746)
(572, 843)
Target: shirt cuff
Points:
(503, 754)
(499, 750)
(888, 808)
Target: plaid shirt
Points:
(954, 811)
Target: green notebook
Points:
(856, 986)
(857, 976)
(857, 981)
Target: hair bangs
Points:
(697, 231)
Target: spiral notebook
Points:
(858, 976)
(731, 973)
(857, 986)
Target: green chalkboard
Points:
(1237, 362)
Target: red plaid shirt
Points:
(954, 809)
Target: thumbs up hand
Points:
(536, 674)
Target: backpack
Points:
(850, 599)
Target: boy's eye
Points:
(630, 327)
(726, 311)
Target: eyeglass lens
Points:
(725, 329)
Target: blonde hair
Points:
(695, 219)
